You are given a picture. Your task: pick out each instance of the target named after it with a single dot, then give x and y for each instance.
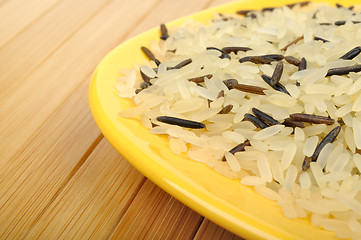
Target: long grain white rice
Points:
(330, 191)
(310, 146)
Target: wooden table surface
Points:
(59, 177)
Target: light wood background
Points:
(59, 177)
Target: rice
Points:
(193, 75)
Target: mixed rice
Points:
(271, 97)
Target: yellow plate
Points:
(235, 207)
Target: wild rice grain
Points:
(330, 137)
(292, 60)
(342, 22)
(180, 122)
(239, 148)
(249, 88)
(150, 55)
(343, 70)
(352, 53)
(263, 59)
(235, 49)
(230, 83)
(164, 32)
(310, 118)
(223, 53)
(278, 86)
(302, 65)
(265, 117)
(294, 124)
(181, 64)
(256, 121)
(226, 109)
(200, 79)
(292, 43)
(320, 39)
(276, 76)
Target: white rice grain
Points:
(267, 192)
(310, 146)
(288, 155)
(290, 177)
(268, 132)
(253, 180)
(232, 162)
(305, 180)
(356, 125)
(264, 168)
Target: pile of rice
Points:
(329, 191)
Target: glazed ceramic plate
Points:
(228, 203)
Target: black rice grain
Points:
(330, 137)
(180, 122)
(352, 53)
(230, 83)
(249, 88)
(200, 78)
(256, 121)
(226, 109)
(303, 64)
(342, 22)
(239, 148)
(236, 49)
(292, 60)
(278, 87)
(292, 123)
(182, 64)
(164, 32)
(311, 118)
(265, 117)
(150, 55)
(263, 59)
(277, 73)
(343, 70)
(320, 39)
(223, 53)
(220, 94)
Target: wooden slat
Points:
(15, 15)
(45, 164)
(209, 231)
(50, 83)
(91, 203)
(154, 214)
(37, 42)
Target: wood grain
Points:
(100, 190)
(209, 230)
(59, 177)
(16, 13)
(44, 164)
(147, 217)
(52, 82)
